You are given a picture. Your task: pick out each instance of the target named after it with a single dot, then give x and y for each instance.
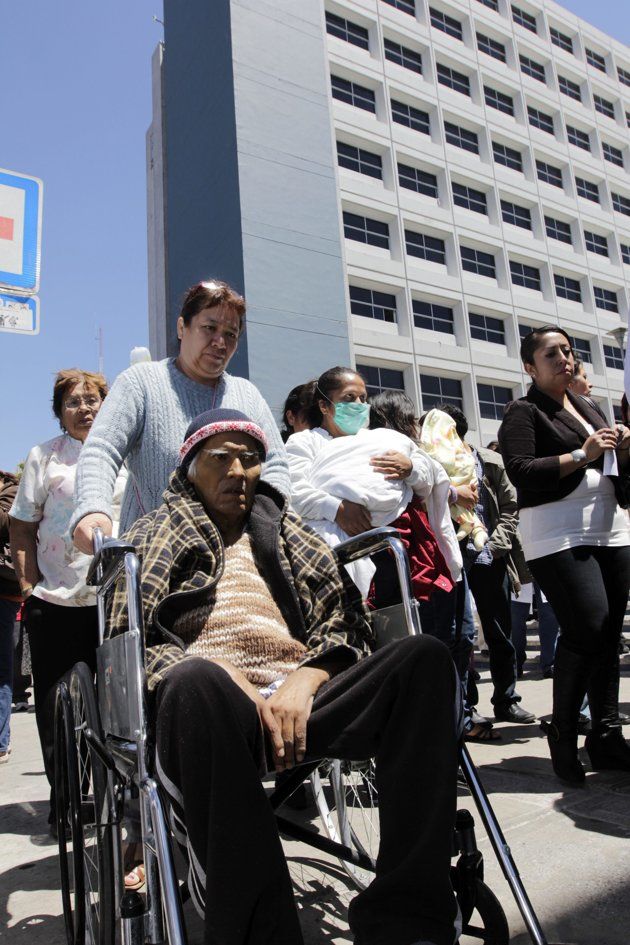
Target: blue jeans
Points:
(548, 630)
(8, 613)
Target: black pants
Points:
(588, 588)
(489, 586)
(59, 637)
(401, 706)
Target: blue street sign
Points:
(19, 314)
(20, 231)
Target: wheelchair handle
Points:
(367, 543)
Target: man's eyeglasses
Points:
(223, 459)
(73, 403)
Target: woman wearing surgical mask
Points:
(339, 408)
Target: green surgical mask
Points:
(350, 418)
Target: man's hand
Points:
(393, 465)
(468, 496)
(266, 716)
(83, 535)
(291, 706)
(623, 437)
(353, 517)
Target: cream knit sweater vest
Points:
(242, 623)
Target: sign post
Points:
(20, 250)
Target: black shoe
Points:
(608, 752)
(564, 758)
(513, 713)
(623, 718)
(584, 725)
(547, 673)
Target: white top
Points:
(46, 495)
(589, 515)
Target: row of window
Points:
(360, 96)
(433, 249)
(438, 390)
(459, 81)
(522, 17)
(422, 182)
(418, 120)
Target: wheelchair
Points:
(103, 762)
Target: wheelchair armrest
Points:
(367, 543)
(106, 559)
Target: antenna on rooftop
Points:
(99, 348)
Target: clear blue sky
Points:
(76, 102)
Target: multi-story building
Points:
(410, 184)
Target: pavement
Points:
(570, 844)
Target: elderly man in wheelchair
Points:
(258, 658)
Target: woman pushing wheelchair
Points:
(258, 658)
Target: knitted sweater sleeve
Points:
(117, 427)
(276, 468)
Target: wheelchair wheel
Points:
(487, 924)
(349, 812)
(88, 884)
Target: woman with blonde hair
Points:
(59, 610)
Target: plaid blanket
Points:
(182, 556)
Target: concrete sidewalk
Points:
(570, 845)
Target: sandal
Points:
(481, 733)
(134, 867)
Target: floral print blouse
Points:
(46, 495)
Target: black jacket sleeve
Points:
(517, 440)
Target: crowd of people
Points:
(260, 648)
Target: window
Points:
(524, 330)
(492, 400)
(567, 87)
(624, 75)
(440, 390)
(561, 39)
(378, 379)
(346, 30)
(596, 243)
(612, 154)
(461, 137)
(540, 119)
(420, 181)
(532, 68)
(527, 276)
(425, 247)
(496, 99)
(469, 199)
(491, 47)
(549, 173)
(606, 299)
(432, 316)
(594, 59)
(371, 304)
(603, 106)
(356, 159)
(516, 215)
(407, 6)
(628, 119)
(365, 230)
(581, 139)
(587, 189)
(353, 94)
(446, 23)
(474, 260)
(403, 56)
(558, 230)
(625, 253)
(487, 328)
(493, 4)
(567, 288)
(411, 117)
(453, 79)
(524, 19)
(582, 348)
(509, 157)
(613, 357)
(621, 204)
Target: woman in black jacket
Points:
(570, 471)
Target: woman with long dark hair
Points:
(571, 472)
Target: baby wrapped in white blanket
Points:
(343, 469)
